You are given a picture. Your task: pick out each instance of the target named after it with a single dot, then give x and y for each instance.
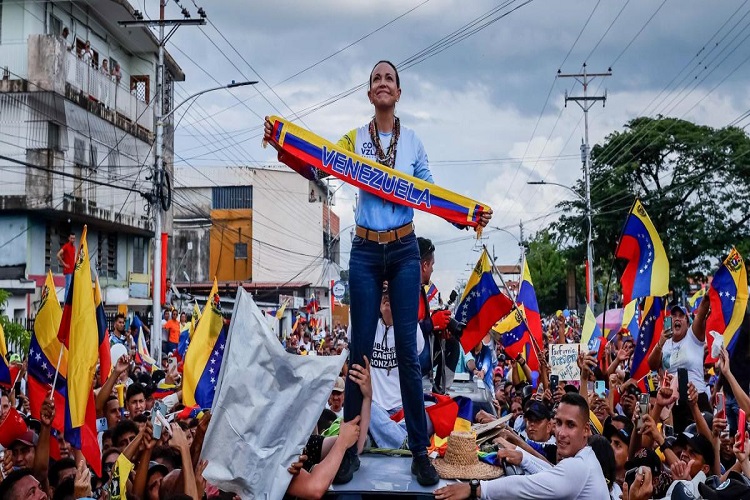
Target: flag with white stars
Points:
(647, 271)
(514, 334)
(652, 324)
(206, 388)
(482, 303)
(44, 351)
(201, 355)
(728, 296)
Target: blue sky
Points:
(488, 109)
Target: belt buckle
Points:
(382, 242)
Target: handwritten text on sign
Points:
(562, 361)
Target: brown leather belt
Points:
(385, 237)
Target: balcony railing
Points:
(81, 77)
(104, 89)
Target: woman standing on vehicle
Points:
(385, 249)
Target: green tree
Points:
(548, 267)
(694, 181)
(15, 334)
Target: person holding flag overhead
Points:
(384, 249)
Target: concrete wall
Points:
(13, 240)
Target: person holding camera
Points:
(442, 332)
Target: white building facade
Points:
(76, 142)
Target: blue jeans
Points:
(68, 279)
(370, 264)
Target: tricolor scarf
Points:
(302, 149)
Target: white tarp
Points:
(266, 405)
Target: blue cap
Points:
(679, 308)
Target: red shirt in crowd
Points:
(69, 258)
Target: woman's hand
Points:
(267, 133)
(484, 218)
(349, 432)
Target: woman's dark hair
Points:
(389, 63)
(606, 456)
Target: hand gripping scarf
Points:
(301, 150)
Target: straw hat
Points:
(461, 461)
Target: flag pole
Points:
(57, 371)
(515, 305)
(612, 267)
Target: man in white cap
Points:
(336, 400)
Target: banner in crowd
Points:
(309, 150)
(249, 443)
(563, 361)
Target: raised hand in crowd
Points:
(742, 455)
(179, 442)
(82, 482)
(642, 488)
(200, 481)
(681, 470)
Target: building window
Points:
(139, 254)
(232, 197)
(106, 255)
(53, 241)
(112, 163)
(140, 87)
(53, 136)
(79, 152)
(55, 26)
(240, 251)
(93, 157)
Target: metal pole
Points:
(587, 176)
(157, 179)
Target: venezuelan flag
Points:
(696, 299)
(280, 312)
(142, 356)
(630, 319)
(728, 297)
(79, 333)
(514, 335)
(652, 324)
(482, 303)
(44, 352)
(204, 356)
(105, 356)
(647, 270)
(591, 330)
(431, 291)
(163, 390)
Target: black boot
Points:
(349, 465)
(424, 470)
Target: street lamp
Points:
(589, 244)
(159, 208)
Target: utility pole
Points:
(161, 197)
(586, 102)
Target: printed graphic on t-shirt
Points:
(383, 355)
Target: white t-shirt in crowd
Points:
(386, 389)
(688, 354)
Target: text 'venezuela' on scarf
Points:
(306, 148)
